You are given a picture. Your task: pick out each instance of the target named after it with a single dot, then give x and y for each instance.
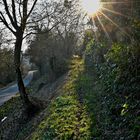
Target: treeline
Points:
(51, 53)
(7, 66)
(53, 31)
(7, 72)
(56, 40)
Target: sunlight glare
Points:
(91, 6)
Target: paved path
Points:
(10, 91)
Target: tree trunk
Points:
(17, 60)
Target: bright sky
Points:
(91, 7)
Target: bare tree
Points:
(20, 19)
(16, 23)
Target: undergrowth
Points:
(68, 117)
(86, 108)
(8, 107)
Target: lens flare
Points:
(91, 7)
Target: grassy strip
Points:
(67, 118)
(17, 125)
(8, 107)
(92, 94)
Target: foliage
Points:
(118, 77)
(7, 72)
(68, 118)
(51, 54)
(100, 98)
(8, 107)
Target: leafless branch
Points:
(31, 8)
(19, 9)
(2, 18)
(14, 12)
(8, 13)
(29, 34)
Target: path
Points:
(8, 92)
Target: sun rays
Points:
(97, 9)
(91, 7)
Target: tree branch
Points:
(14, 12)
(8, 13)
(24, 16)
(29, 34)
(19, 10)
(31, 8)
(2, 18)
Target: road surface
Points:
(8, 92)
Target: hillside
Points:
(83, 80)
(76, 107)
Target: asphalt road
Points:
(8, 92)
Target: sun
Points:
(91, 7)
